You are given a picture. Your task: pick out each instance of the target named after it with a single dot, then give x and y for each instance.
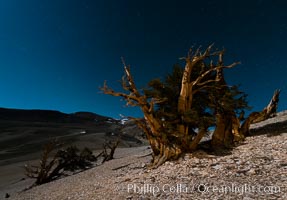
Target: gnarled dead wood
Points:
(112, 146)
(153, 127)
(269, 111)
(190, 87)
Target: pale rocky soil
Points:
(256, 169)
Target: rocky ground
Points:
(256, 169)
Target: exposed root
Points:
(166, 153)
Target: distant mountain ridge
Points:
(54, 116)
(25, 132)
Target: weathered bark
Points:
(244, 129)
(163, 149)
(222, 135)
(165, 146)
(228, 129)
(269, 111)
(194, 143)
(188, 85)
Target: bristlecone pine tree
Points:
(179, 110)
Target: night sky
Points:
(55, 54)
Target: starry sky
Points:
(55, 54)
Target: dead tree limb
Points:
(190, 87)
(112, 147)
(162, 148)
(197, 76)
(269, 111)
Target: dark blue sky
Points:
(54, 54)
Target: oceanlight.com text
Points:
(202, 188)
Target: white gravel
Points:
(257, 169)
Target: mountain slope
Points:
(24, 132)
(253, 170)
(48, 116)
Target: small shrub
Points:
(52, 167)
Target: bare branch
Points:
(206, 82)
(130, 98)
(130, 80)
(196, 82)
(205, 87)
(142, 125)
(220, 59)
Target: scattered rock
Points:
(255, 170)
(7, 195)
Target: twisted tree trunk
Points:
(163, 149)
(188, 91)
(166, 145)
(228, 129)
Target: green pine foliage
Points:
(206, 102)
